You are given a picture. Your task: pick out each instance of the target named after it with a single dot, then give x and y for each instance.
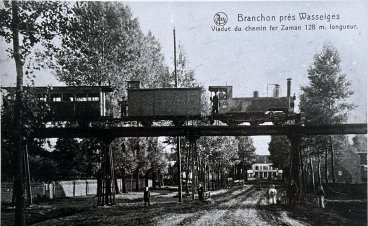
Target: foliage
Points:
(323, 100)
(39, 25)
(246, 150)
(65, 155)
(279, 148)
(34, 112)
(99, 38)
(221, 152)
(360, 143)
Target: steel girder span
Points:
(291, 130)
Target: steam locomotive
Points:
(254, 110)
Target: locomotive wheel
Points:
(231, 123)
(146, 123)
(178, 122)
(212, 121)
(254, 123)
(278, 122)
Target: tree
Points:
(36, 22)
(246, 154)
(158, 163)
(98, 41)
(220, 155)
(151, 70)
(279, 148)
(124, 159)
(324, 99)
(65, 155)
(186, 75)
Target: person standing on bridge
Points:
(272, 193)
(123, 105)
(215, 104)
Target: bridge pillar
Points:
(193, 147)
(180, 187)
(296, 171)
(105, 178)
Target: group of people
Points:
(292, 190)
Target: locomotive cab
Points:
(223, 95)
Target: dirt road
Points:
(243, 205)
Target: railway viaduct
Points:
(294, 133)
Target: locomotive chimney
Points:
(288, 87)
(255, 94)
(276, 90)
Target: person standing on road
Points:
(272, 193)
(321, 197)
(147, 196)
(201, 192)
(292, 189)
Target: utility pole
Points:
(176, 76)
(178, 137)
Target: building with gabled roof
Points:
(262, 169)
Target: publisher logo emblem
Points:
(220, 19)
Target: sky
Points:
(249, 60)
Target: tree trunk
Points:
(28, 177)
(302, 169)
(160, 179)
(180, 186)
(187, 172)
(154, 179)
(137, 179)
(193, 177)
(218, 178)
(326, 165)
(246, 173)
(208, 177)
(123, 175)
(116, 183)
(199, 167)
(332, 161)
(212, 179)
(319, 170)
(312, 172)
(19, 217)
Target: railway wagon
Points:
(255, 110)
(78, 103)
(174, 104)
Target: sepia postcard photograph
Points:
(184, 112)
